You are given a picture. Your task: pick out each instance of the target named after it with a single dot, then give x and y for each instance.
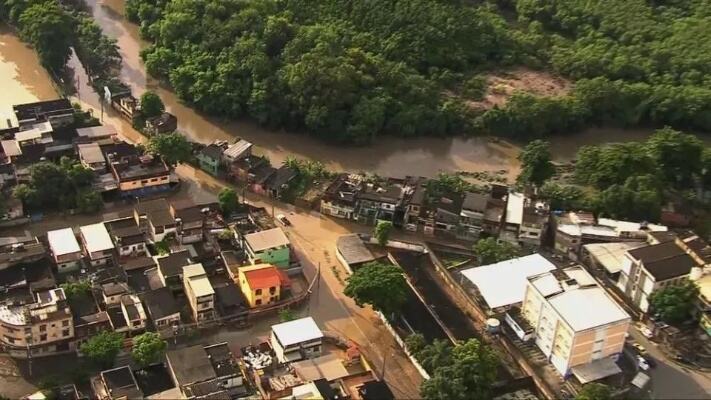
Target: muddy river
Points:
(426, 156)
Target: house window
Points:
(10, 339)
(65, 332)
(43, 337)
(65, 322)
(258, 292)
(43, 328)
(161, 322)
(154, 180)
(272, 290)
(137, 323)
(273, 299)
(144, 181)
(258, 302)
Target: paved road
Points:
(671, 380)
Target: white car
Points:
(282, 218)
(646, 332)
(642, 363)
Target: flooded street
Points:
(390, 156)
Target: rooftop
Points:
(475, 202)
(113, 288)
(160, 303)
(514, 208)
(671, 267)
(263, 278)
(213, 151)
(91, 153)
(353, 250)
(33, 110)
(587, 307)
(611, 255)
(160, 217)
(504, 283)
(120, 382)
(10, 148)
(100, 131)
(197, 279)
(237, 149)
(63, 241)
(268, 239)
(297, 331)
(190, 365)
(282, 176)
(96, 237)
(329, 367)
(172, 264)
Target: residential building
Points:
(102, 134)
(443, 214)
(352, 253)
(577, 325)
(296, 340)
(199, 292)
(139, 175)
(210, 157)
(339, 200)
(134, 313)
(91, 157)
(206, 372)
(65, 249)
(22, 252)
(649, 268)
(513, 218)
(494, 215)
(534, 223)
(58, 112)
(112, 292)
(415, 191)
(608, 257)
(170, 269)
(488, 279)
(230, 303)
(236, 152)
(97, 243)
(116, 384)
(155, 219)
(164, 123)
(471, 217)
(279, 181)
(190, 221)
(380, 201)
(128, 239)
(122, 101)
(244, 169)
(258, 178)
(44, 327)
(162, 308)
(260, 284)
(270, 246)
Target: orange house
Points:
(261, 284)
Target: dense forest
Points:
(350, 71)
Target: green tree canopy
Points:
(435, 355)
(469, 375)
(173, 147)
(490, 251)
(594, 391)
(675, 304)
(103, 348)
(151, 105)
(536, 165)
(415, 343)
(148, 348)
(382, 286)
(678, 155)
(50, 31)
(228, 201)
(382, 232)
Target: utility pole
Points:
(78, 79)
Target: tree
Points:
(380, 285)
(435, 355)
(89, 201)
(415, 343)
(286, 315)
(148, 348)
(491, 251)
(469, 375)
(228, 201)
(678, 155)
(162, 247)
(75, 289)
(151, 105)
(536, 166)
(103, 348)
(675, 304)
(565, 197)
(594, 391)
(48, 28)
(382, 231)
(173, 147)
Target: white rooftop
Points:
(198, 281)
(626, 226)
(30, 134)
(504, 283)
(514, 208)
(97, 131)
(264, 240)
(96, 237)
(63, 241)
(587, 307)
(237, 149)
(611, 255)
(297, 331)
(11, 148)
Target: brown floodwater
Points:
(390, 156)
(22, 78)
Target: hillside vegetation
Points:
(349, 71)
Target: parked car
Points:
(642, 363)
(282, 218)
(639, 348)
(651, 362)
(646, 332)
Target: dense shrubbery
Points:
(349, 71)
